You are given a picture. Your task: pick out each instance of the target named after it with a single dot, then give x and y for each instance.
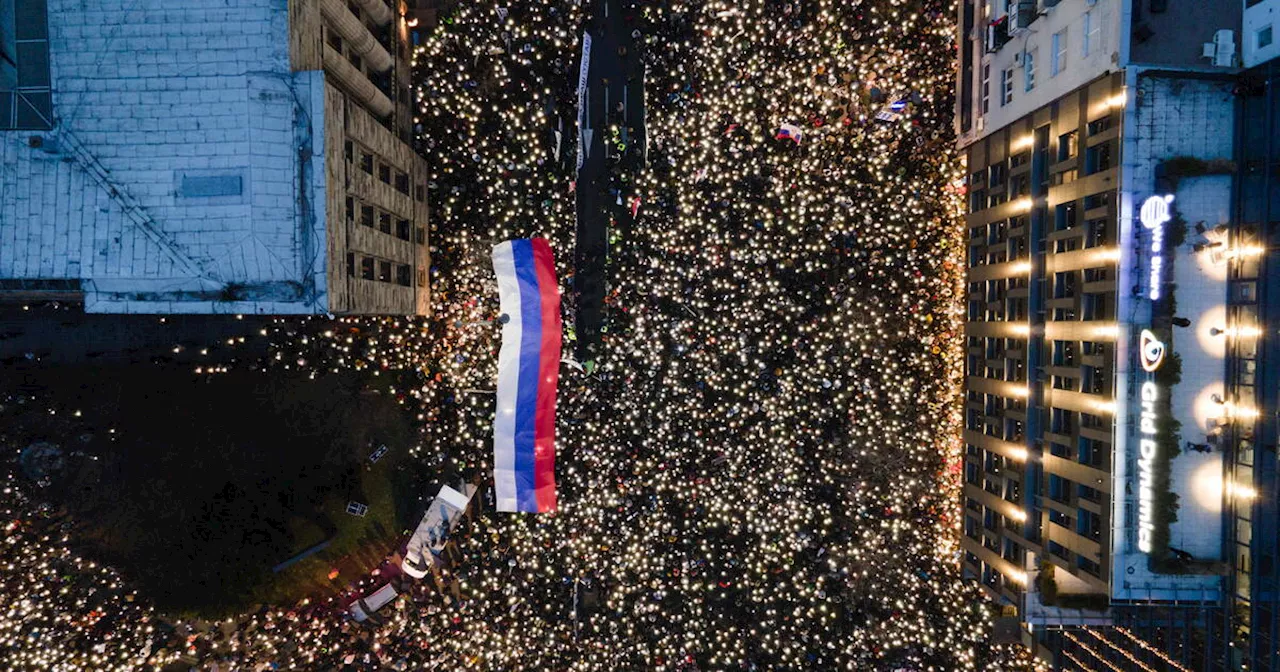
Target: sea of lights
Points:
(762, 473)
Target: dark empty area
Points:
(206, 482)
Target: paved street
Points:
(615, 105)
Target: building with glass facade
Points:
(1120, 415)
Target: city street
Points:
(612, 136)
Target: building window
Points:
(995, 175)
(351, 209)
(1090, 452)
(422, 277)
(1064, 216)
(1099, 233)
(1064, 352)
(384, 271)
(1061, 421)
(402, 229)
(1029, 69)
(26, 101)
(349, 151)
(1263, 37)
(977, 200)
(366, 215)
(366, 161)
(1092, 33)
(402, 183)
(1006, 87)
(404, 275)
(1088, 524)
(1059, 62)
(384, 173)
(422, 235)
(1097, 158)
(986, 88)
(351, 265)
(384, 222)
(366, 268)
(1068, 145)
(334, 39)
(1020, 185)
(419, 193)
(1095, 307)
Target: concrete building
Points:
(1258, 36)
(211, 157)
(1120, 483)
(1017, 56)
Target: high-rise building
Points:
(1118, 421)
(210, 157)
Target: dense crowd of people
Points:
(762, 471)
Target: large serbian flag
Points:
(524, 429)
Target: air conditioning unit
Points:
(1015, 21)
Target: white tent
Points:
(432, 534)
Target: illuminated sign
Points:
(1154, 215)
(1146, 458)
(1150, 351)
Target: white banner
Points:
(582, 95)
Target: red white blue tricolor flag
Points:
(524, 456)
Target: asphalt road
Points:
(615, 76)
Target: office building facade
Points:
(1120, 494)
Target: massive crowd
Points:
(762, 471)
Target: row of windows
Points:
(997, 247)
(1003, 428)
(381, 270)
(375, 217)
(1089, 452)
(372, 164)
(1098, 158)
(1090, 41)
